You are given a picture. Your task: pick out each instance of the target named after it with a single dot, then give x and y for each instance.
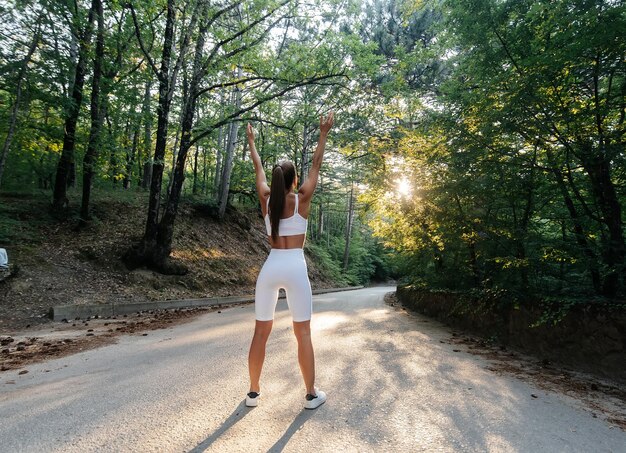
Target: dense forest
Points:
(478, 146)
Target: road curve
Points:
(391, 385)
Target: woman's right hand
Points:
(250, 133)
(326, 123)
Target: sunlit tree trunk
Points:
(230, 150)
(227, 167)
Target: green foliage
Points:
(327, 263)
(500, 151)
(485, 140)
(280, 46)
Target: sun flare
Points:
(404, 187)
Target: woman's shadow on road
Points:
(239, 413)
(296, 424)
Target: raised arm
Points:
(261, 182)
(308, 187)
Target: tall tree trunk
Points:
(146, 172)
(165, 233)
(16, 103)
(320, 221)
(44, 178)
(218, 162)
(74, 49)
(603, 189)
(71, 175)
(522, 227)
(346, 251)
(66, 162)
(153, 249)
(471, 244)
(114, 169)
(227, 167)
(204, 170)
(218, 152)
(230, 151)
(473, 259)
(174, 151)
(305, 153)
(195, 170)
(320, 212)
(562, 262)
(96, 114)
(579, 232)
(130, 161)
(163, 110)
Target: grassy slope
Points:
(60, 265)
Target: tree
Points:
(154, 249)
(558, 86)
(82, 31)
(96, 111)
(18, 97)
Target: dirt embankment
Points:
(58, 264)
(591, 339)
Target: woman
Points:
(285, 211)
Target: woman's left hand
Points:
(327, 123)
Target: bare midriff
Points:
(288, 242)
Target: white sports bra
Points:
(291, 226)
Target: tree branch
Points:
(241, 111)
(138, 34)
(241, 32)
(231, 83)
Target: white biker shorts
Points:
(284, 268)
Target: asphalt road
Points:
(392, 387)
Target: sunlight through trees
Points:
(479, 145)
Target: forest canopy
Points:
(479, 145)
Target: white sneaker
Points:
(313, 402)
(252, 399)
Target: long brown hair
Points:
(283, 176)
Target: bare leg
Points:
(256, 357)
(306, 357)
